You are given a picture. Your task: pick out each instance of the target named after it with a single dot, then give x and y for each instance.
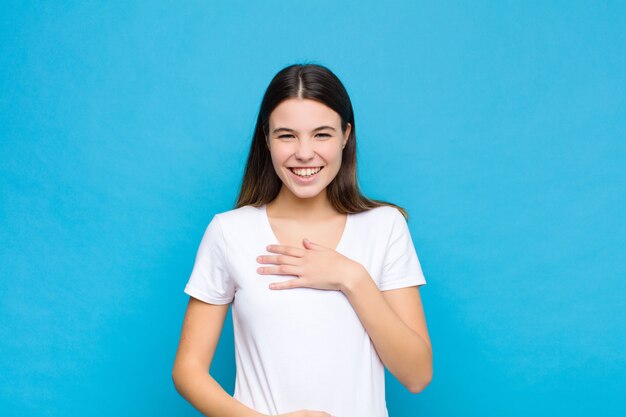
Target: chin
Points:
(304, 192)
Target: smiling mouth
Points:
(306, 172)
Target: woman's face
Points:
(304, 136)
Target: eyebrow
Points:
(286, 129)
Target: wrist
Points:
(352, 281)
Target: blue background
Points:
(499, 126)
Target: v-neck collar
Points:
(270, 231)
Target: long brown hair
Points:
(261, 184)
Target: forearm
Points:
(403, 352)
(204, 393)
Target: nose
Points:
(305, 150)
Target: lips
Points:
(305, 172)
(305, 179)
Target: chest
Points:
(353, 236)
(289, 232)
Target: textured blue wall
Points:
(499, 126)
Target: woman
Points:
(323, 281)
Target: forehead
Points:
(303, 112)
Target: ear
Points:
(347, 135)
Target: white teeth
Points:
(306, 172)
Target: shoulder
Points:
(385, 215)
(241, 218)
(237, 214)
(378, 224)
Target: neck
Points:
(287, 205)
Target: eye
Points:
(323, 135)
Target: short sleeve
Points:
(401, 267)
(210, 279)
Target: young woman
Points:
(323, 281)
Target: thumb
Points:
(308, 244)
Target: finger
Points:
(312, 245)
(287, 250)
(279, 270)
(292, 283)
(279, 259)
(317, 413)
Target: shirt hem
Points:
(196, 293)
(416, 281)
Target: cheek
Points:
(279, 156)
(332, 154)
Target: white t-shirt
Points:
(302, 348)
